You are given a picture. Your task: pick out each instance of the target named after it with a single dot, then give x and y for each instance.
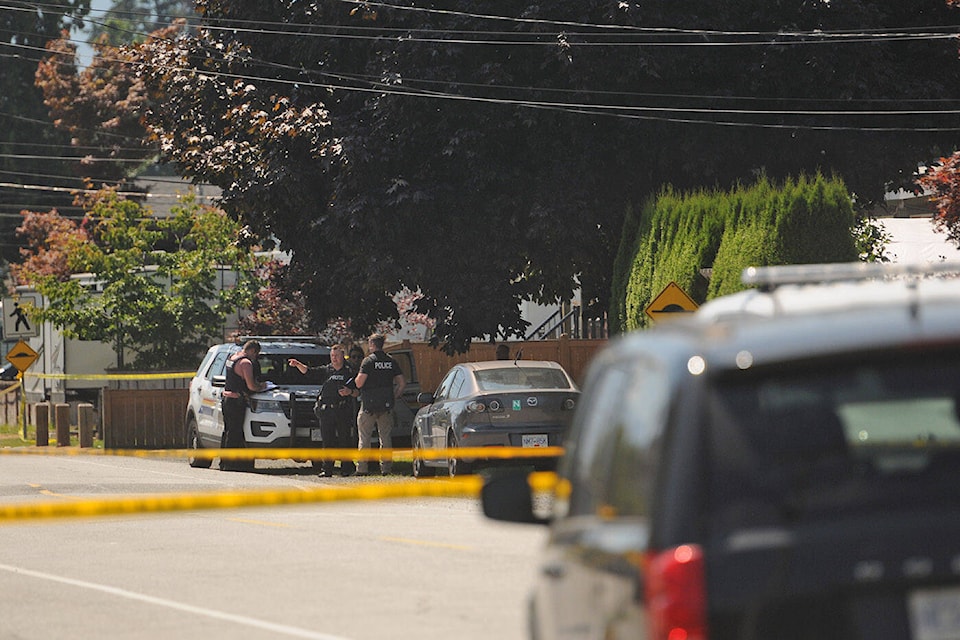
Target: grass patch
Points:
(10, 437)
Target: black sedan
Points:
(501, 403)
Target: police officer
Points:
(241, 380)
(381, 384)
(334, 408)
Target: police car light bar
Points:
(773, 276)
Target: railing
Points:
(532, 334)
(582, 328)
(573, 313)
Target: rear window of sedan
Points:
(819, 441)
(515, 378)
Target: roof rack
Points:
(310, 339)
(773, 276)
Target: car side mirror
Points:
(219, 381)
(507, 496)
(425, 398)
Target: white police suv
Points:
(282, 416)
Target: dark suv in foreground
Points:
(782, 464)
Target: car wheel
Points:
(455, 465)
(420, 468)
(193, 442)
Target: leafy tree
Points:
(29, 144)
(132, 20)
(871, 240)
(275, 310)
(160, 297)
(49, 238)
(487, 161)
(942, 181)
(99, 106)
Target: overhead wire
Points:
(712, 115)
(231, 23)
(681, 115)
(275, 65)
(624, 111)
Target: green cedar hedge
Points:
(673, 237)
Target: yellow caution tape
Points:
(187, 502)
(111, 376)
(11, 388)
(402, 455)
(468, 486)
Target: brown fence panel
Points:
(144, 418)
(432, 364)
(9, 408)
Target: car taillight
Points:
(676, 593)
(475, 406)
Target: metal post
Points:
(23, 407)
(61, 413)
(85, 420)
(42, 418)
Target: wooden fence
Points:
(9, 401)
(144, 418)
(432, 364)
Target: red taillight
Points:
(676, 594)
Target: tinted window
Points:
(456, 385)
(822, 440)
(275, 367)
(405, 360)
(444, 389)
(205, 363)
(617, 429)
(515, 378)
(217, 364)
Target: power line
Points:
(570, 39)
(623, 111)
(268, 64)
(133, 194)
(231, 23)
(79, 147)
(14, 116)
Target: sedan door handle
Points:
(554, 571)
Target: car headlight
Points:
(265, 406)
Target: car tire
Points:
(193, 442)
(455, 465)
(420, 468)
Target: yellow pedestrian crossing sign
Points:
(672, 302)
(22, 356)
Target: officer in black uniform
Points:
(334, 408)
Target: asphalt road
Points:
(419, 568)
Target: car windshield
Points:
(820, 441)
(514, 378)
(275, 368)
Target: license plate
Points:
(534, 440)
(315, 435)
(935, 614)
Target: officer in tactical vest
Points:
(242, 379)
(381, 384)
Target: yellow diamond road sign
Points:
(671, 302)
(22, 356)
